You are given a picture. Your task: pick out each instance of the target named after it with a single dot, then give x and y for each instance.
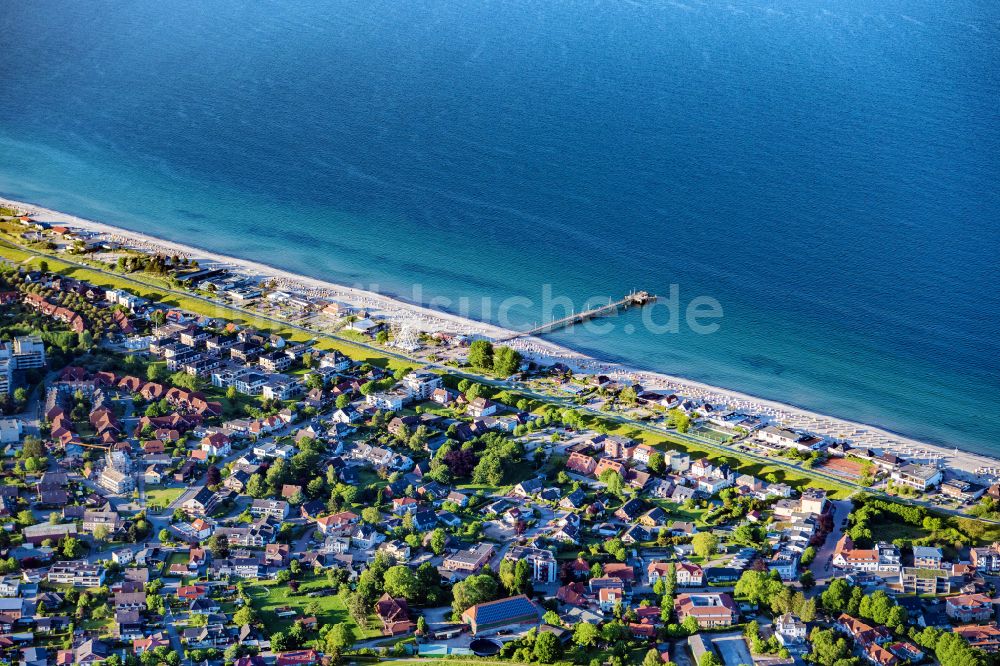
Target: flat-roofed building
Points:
(470, 560)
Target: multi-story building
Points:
(689, 574)
(541, 563)
(275, 362)
(392, 401)
(985, 637)
(6, 371)
(250, 382)
(422, 384)
(107, 519)
(29, 352)
(986, 560)
(813, 500)
(116, 477)
(786, 438)
(77, 574)
(202, 504)
(502, 614)
(915, 580)
(268, 508)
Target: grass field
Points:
(267, 596)
(678, 512)
(162, 496)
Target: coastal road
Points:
(561, 400)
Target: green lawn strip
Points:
(140, 284)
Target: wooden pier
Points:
(632, 299)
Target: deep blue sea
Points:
(827, 170)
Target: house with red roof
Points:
(394, 615)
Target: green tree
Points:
(489, 470)
(704, 544)
(339, 637)
(72, 548)
(652, 658)
(758, 587)
(471, 591)
(709, 659)
(613, 482)
(438, 541)
(807, 611)
(836, 597)
(627, 396)
(546, 648)
(400, 581)
(657, 465)
(218, 545)
(280, 642)
(807, 580)
(481, 355)
(245, 616)
(257, 486)
(585, 634)
(828, 648)
(506, 361)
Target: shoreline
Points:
(402, 313)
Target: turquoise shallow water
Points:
(825, 170)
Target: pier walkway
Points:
(635, 298)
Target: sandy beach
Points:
(429, 320)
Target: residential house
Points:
(202, 503)
(267, 508)
(480, 407)
(969, 608)
(394, 614)
(709, 609)
(919, 477)
(790, 631)
(927, 557)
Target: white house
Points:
(422, 384)
(920, 477)
(789, 439)
(481, 407)
(392, 401)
